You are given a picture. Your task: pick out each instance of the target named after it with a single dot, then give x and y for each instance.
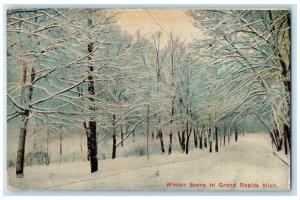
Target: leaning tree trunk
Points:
(287, 135)
(161, 139)
(278, 138)
(285, 145)
(179, 137)
(286, 139)
(92, 122)
(25, 119)
(187, 141)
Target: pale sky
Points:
(131, 20)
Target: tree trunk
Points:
(80, 143)
(21, 147)
(60, 144)
(216, 144)
(224, 135)
(286, 77)
(79, 90)
(210, 140)
(148, 124)
(171, 123)
(133, 136)
(228, 135)
(160, 135)
(286, 134)
(23, 130)
(182, 144)
(47, 141)
(87, 141)
(205, 140)
(236, 135)
(170, 143)
(93, 147)
(122, 136)
(285, 145)
(187, 145)
(201, 139)
(114, 147)
(187, 141)
(179, 137)
(277, 139)
(47, 149)
(195, 139)
(92, 122)
(187, 136)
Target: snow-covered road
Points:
(248, 164)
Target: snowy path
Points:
(248, 161)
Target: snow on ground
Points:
(248, 161)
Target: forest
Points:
(76, 82)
